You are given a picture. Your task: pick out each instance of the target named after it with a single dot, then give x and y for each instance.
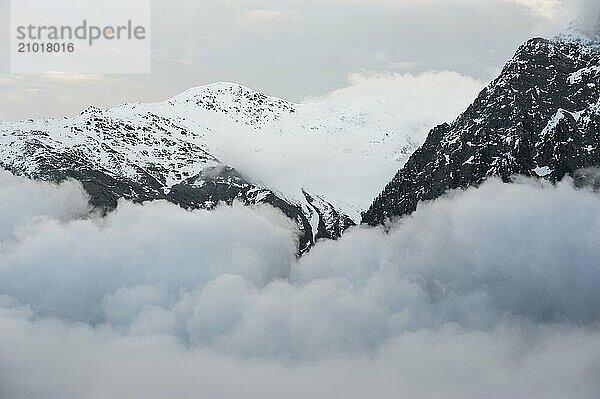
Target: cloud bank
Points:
(488, 293)
(23, 202)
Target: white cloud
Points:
(489, 293)
(30, 201)
(45, 359)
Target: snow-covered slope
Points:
(315, 146)
(189, 150)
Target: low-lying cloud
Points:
(489, 293)
(23, 202)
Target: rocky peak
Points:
(540, 117)
(243, 104)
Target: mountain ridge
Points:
(540, 117)
(143, 152)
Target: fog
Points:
(589, 17)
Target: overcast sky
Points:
(294, 48)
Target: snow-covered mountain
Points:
(188, 150)
(540, 118)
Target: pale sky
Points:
(293, 48)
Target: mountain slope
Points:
(144, 152)
(540, 117)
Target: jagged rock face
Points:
(330, 221)
(145, 152)
(223, 184)
(540, 117)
